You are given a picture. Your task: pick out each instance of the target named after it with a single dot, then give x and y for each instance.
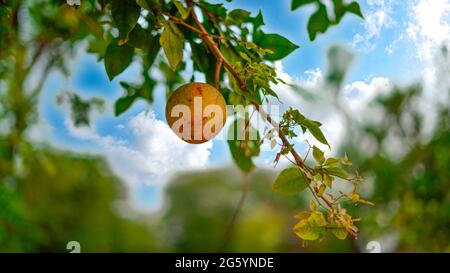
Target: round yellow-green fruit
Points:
(196, 112)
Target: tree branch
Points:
(217, 74)
(219, 56)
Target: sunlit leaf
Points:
(337, 172)
(290, 181)
(280, 46)
(318, 155)
(340, 233)
(172, 42)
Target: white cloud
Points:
(153, 153)
(355, 96)
(377, 18)
(429, 30)
(429, 27)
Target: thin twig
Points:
(217, 75)
(202, 33)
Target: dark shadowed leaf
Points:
(354, 8)
(237, 17)
(295, 4)
(125, 15)
(122, 104)
(142, 38)
(117, 58)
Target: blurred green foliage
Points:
(56, 197)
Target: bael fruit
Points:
(196, 112)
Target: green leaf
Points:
(307, 230)
(237, 17)
(318, 22)
(331, 163)
(340, 233)
(117, 58)
(122, 104)
(328, 180)
(125, 15)
(142, 38)
(290, 181)
(318, 218)
(97, 46)
(243, 148)
(280, 46)
(217, 9)
(257, 21)
(354, 8)
(337, 172)
(318, 155)
(172, 42)
(152, 51)
(183, 11)
(295, 4)
(313, 128)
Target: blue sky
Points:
(395, 43)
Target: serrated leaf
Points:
(318, 22)
(290, 181)
(318, 155)
(125, 15)
(172, 42)
(279, 45)
(117, 58)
